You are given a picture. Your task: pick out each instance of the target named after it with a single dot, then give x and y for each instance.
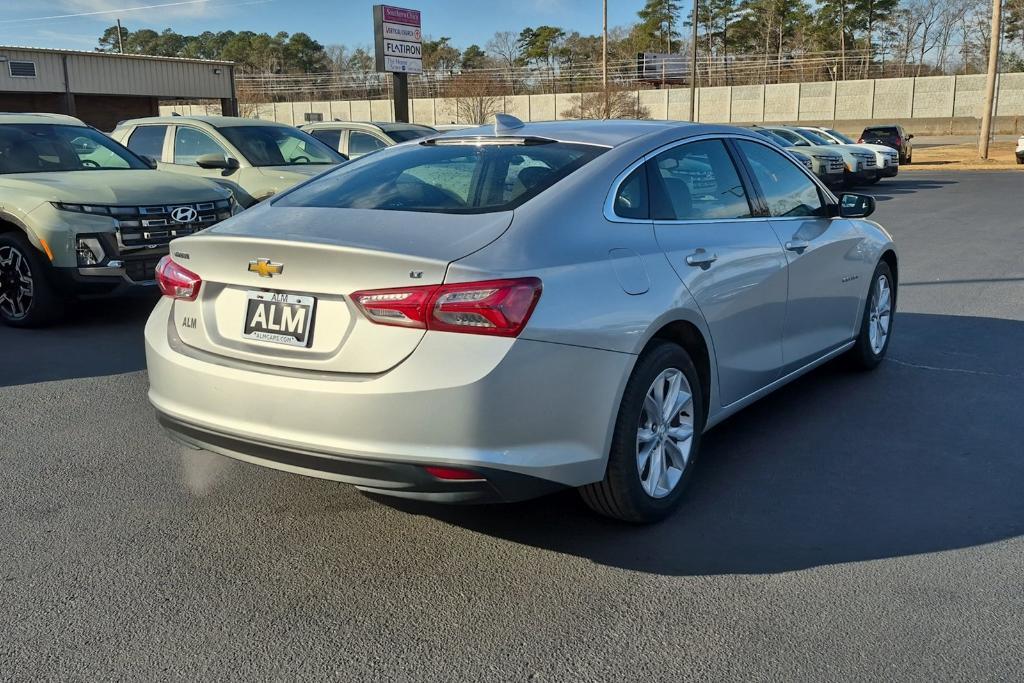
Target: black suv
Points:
(890, 136)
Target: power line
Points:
(128, 9)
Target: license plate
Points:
(279, 318)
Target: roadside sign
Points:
(398, 39)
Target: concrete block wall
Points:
(952, 99)
(855, 99)
(817, 101)
(781, 102)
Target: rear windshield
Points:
(881, 132)
(447, 178)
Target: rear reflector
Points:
(177, 282)
(452, 473)
(494, 307)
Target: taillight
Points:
(494, 307)
(898, 141)
(177, 282)
(452, 473)
(403, 307)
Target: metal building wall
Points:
(102, 74)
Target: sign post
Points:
(398, 43)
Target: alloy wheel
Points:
(880, 314)
(664, 437)
(16, 285)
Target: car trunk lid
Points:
(272, 273)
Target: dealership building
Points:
(102, 88)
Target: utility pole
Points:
(604, 56)
(990, 81)
(120, 41)
(693, 60)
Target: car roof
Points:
(605, 132)
(63, 119)
(215, 121)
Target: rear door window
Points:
(328, 136)
(148, 141)
(448, 178)
(696, 181)
(362, 143)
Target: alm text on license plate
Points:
(280, 318)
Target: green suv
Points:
(82, 215)
(254, 159)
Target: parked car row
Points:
(837, 160)
(84, 214)
(676, 272)
(103, 223)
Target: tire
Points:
(26, 297)
(1020, 160)
(867, 353)
(624, 493)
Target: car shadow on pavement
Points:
(922, 455)
(97, 337)
(889, 188)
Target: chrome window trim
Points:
(609, 202)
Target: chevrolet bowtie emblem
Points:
(264, 267)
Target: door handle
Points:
(797, 245)
(701, 258)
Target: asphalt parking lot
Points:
(851, 526)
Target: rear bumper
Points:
(530, 416)
(398, 479)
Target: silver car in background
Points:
(492, 314)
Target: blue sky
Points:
(31, 22)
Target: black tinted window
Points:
(331, 138)
(406, 134)
(362, 143)
(787, 189)
(696, 181)
(885, 133)
(445, 178)
(631, 199)
(148, 141)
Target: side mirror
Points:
(856, 205)
(910, 136)
(150, 161)
(216, 161)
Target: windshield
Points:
(406, 134)
(42, 147)
(839, 136)
(815, 138)
(777, 139)
(448, 178)
(279, 146)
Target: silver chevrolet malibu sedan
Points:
(495, 313)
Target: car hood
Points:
(118, 188)
(876, 148)
(819, 150)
